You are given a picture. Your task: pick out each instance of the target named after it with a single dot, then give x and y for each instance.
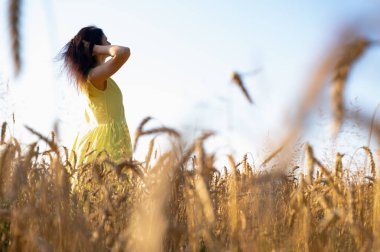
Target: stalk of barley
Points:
(204, 197)
(149, 154)
(200, 156)
(351, 53)
(139, 130)
(310, 163)
(16, 145)
(376, 214)
(160, 163)
(31, 153)
(373, 126)
(247, 168)
(371, 161)
(14, 20)
(190, 216)
(236, 78)
(338, 165)
(3, 131)
(87, 154)
(323, 169)
(53, 136)
(351, 204)
(167, 130)
(51, 144)
(288, 139)
(233, 204)
(187, 154)
(273, 154)
(225, 172)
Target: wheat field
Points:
(179, 200)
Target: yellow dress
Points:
(106, 125)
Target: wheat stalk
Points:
(139, 130)
(350, 54)
(371, 161)
(310, 163)
(51, 143)
(338, 165)
(167, 130)
(14, 20)
(236, 78)
(3, 131)
(149, 154)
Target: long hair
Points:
(77, 60)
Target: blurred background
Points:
(179, 72)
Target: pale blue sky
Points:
(183, 53)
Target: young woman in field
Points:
(84, 59)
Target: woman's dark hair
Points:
(77, 60)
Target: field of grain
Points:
(179, 200)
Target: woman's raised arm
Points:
(99, 74)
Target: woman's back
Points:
(104, 106)
(107, 128)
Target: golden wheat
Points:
(350, 54)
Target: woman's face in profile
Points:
(102, 58)
(105, 40)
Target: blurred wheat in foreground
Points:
(179, 201)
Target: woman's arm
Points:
(110, 50)
(99, 74)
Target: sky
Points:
(179, 71)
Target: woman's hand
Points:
(109, 50)
(86, 45)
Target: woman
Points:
(85, 61)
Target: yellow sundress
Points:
(107, 128)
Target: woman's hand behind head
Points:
(88, 47)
